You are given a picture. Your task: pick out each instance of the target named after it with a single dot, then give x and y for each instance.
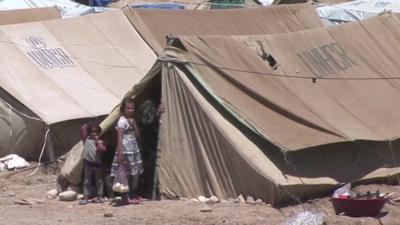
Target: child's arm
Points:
(100, 145)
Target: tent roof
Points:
(67, 8)
(154, 25)
(355, 97)
(61, 74)
(28, 15)
(189, 4)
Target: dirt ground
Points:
(52, 211)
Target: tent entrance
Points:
(146, 101)
(147, 118)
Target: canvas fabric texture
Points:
(28, 15)
(154, 25)
(280, 115)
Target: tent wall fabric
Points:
(60, 75)
(18, 132)
(28, 15)
(61, 65)
(343, 127)
(280, 115)
(19, 128)
(342, 106)
(248, 21)
(189, 4)
(154, 25)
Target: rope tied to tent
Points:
(12, 109)
(41, 152)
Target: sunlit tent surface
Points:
(247, 21)
(154, 25)
(189, 4)
(13, 129)
(28, 15)
(238, 123)
(63, 70)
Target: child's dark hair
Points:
(125, 101)
(91, 124)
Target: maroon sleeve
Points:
(84, 133)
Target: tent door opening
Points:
(147, 118)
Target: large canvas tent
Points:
(189, 4)
(293, 18)
(154, 25)
(13, 129)
(28, 15)
(52, 72)
(278, 116)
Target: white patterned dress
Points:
(130, 151)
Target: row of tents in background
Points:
(262, 101)
(330, 11)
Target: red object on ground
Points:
(358, 207)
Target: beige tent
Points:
(154, 25)
(279, 116)
(28, 15)
(13, 130)
(61, 75)
(189, 4)
(294, 18)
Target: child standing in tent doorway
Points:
(93, 148)
(128, 152)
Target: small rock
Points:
(213, 199)
(34, 201)
(52, 193)
(184, 199)
(80, 196)
(236, 201)
(259, 202)
(108, 214)
(268, 205)
(22, 202)
(67, 196)
(250, 200)
(10, 194)
(224, 201)
(206, 209)
(194, 200)
(203, 199)
(241, 199)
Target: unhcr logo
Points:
(36, 42)
(47, 57)
(326, 59)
